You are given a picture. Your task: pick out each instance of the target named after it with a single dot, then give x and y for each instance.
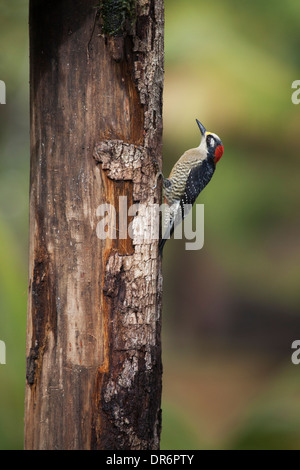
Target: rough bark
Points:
(94, 306)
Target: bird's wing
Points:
(181, 207)
(198, 178)
(193, 185)
(186, 194)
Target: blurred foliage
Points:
(235, 304)
(231, 311)
(14, 182)
(179, 434)
(272, 423)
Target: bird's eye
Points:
(210, 141)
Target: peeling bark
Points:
(94, 306)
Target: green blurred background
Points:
(231, 310)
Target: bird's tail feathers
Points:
(167, 235)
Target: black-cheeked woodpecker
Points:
(189, 176)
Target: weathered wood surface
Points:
(94, 306)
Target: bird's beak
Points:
(201, 127)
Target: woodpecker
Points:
(189, 176)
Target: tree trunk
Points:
(94, 306)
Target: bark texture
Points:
(94, 306)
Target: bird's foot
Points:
(156, 179)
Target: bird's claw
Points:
(156, 179)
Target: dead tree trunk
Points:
(94, 306)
